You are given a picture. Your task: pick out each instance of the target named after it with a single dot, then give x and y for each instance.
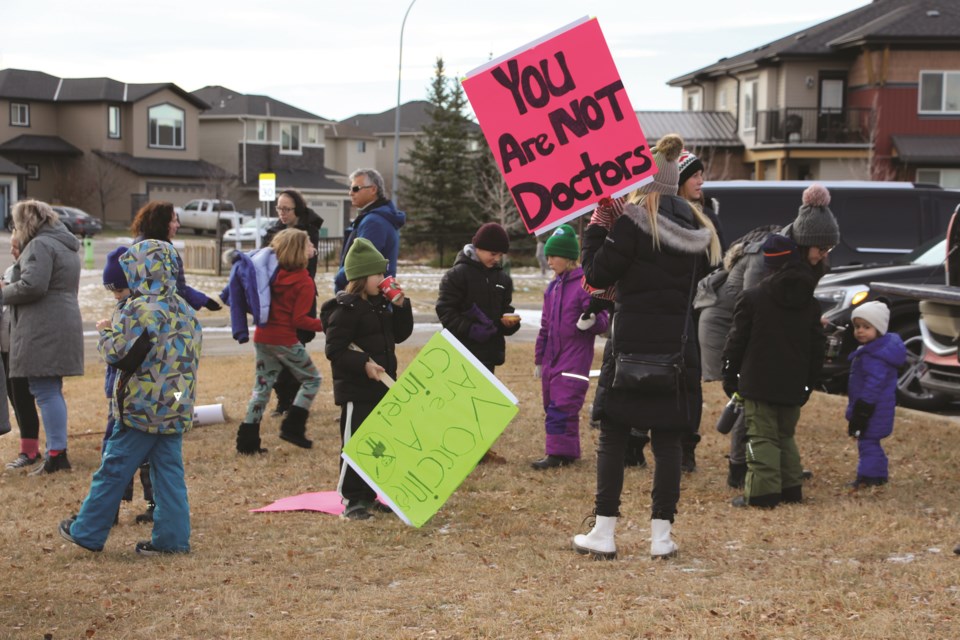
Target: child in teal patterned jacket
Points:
(155, 343)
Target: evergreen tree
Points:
(439, 192)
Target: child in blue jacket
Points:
(872, 390)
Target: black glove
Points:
(731, 379)
(862, 411)
(212, 305)
(807, 392)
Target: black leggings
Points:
(665, 493)
(24, 406)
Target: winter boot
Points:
(147, 516)
(294, 427)
(688, 447)
(600, 542)
(52, 464)
(792, 495)
(552, 461)
(661, 545)
(248, 439)
(736, 474)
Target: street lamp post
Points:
(396, 123)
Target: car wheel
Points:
(909, 392)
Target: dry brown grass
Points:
(496, 561)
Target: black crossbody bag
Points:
(655, 373)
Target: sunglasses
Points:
(357, 189)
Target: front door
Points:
(830, 115)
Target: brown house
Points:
(99, 144)
(871, 94)
(249, 134)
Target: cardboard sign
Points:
(560, 125)
(431, 429)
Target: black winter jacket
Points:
(653, 290)
(311, 223)
(376, 326)
(470, 283)
(777, 343)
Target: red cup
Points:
(390, 288)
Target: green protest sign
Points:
(431, 429)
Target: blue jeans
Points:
(126, 450)
(48, 391)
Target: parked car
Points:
(79, 222)
(216, 216)
(879, 221)
(845, 288)
(247, 232)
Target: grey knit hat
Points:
(665, 156)
(815, 225)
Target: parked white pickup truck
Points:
(215, 216)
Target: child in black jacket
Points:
(362, 328)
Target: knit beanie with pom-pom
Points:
(665, 155)
(815, 225)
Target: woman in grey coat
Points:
(46, 333)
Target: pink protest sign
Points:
(560, 125)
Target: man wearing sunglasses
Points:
(378, 221)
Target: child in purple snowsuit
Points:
(872, 390)
(564, 350)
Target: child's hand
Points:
(398, 299)
(373, 370)
(586, 321)
(102, 324)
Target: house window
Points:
(166, 126)
(722, 100)
(260, 130)
(113, 121)
(311, 136)
(750, 105)
(289, 137)
(19, 114)
(33, 171)
(940, 92)
(361, 146)
(382, 143)
(946, 178)
(694, 100)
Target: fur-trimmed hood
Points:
(676, 226)
(736, 249)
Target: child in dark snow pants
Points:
(872, 390)
(564, 350)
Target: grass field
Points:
(496, 561)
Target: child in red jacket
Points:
(292, 295)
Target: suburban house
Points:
(414, 116)
(99, 144)
(871, 94)
(248, 135)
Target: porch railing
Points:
(812, 125)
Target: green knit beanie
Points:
(563, 243)
(363, 260)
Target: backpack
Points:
(708, 287)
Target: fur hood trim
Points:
(672, 235)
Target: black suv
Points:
(844, 288)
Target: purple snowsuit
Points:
(873, 379)
(565, 354)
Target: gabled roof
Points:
(344, 130)
(42, 87)
(697, 128)
(310, 180)
(46, 145)
(165, 168)
(905, 22)
(227, 102)
(414, 116)
(8, 168)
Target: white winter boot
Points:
(599, 543)
(661, 546)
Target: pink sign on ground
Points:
(323, 501)
(560, 125)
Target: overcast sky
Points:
(336, 58)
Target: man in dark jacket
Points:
(379, 222)
(773, 357)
